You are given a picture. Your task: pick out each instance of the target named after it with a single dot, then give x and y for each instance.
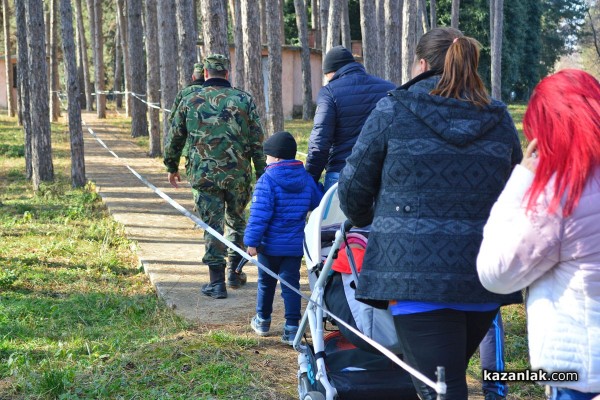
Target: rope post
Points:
(441, 383)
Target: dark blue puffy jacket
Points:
(343, 106)
(283, 196)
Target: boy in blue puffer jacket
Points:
(283, 196)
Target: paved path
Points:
(168, 246)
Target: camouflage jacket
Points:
(223, 133)
(195, 85)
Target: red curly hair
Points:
(564, 116)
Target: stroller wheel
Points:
(314, 396)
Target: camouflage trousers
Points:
(222, 209)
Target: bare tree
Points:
(54, 83)
(24, 88)
(68, 44)
(214, 26)
(497, 20)
(455, 13)
(187, 40)
(135, 31)
(10, 97)
(118, 79)
(423, 23)
(369, 34)
(252, 55)
(95, 10)
(122, 20)
(167, 42)
(409, 37)
(393, 40)
(380, 39)
(432, 14)
(595, 39)
(333, 25)
(346, 38)
(41, 146)
(82, 45)
(315, 22)
(153, 84)
(301, 22)
(238, 41)
(324, 22)
(263, 21)
(275, 115)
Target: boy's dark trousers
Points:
(288, 268)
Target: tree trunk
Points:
(76, 133)
(432, 14)
(214, 26)
(315, 22)
(301, 22)
(122, 19)
(23, 80)
(409, 38)
(118, 79)
(595, 39)
(79, 63)
(135, 32)
(324, 23)
(423, 21)
(238, 42)
(187, 40)
(168, 52)
(10, 97)
(153, 84)
(380, 39)
(275, 115)
(89, 100)
(263, 21)
(455, 13)
(497, 16)
(41, 146)
(252, 55)
(333, 24)
(95, 13)
(369, 34)
(346, 38)
(393, 41)
(54, 83)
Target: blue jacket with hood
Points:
(283, 196)
(343, 106)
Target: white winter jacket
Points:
(558, 259)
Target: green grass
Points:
(79, 318)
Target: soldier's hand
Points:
(173, 178)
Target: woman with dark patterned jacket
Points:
(425, 171)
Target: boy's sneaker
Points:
(289, 334)
(260, 326)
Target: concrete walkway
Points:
(168, 246)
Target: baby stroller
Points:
(338, 364)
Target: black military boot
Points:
(235, 280)
(216, 288)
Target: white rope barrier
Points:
(439, 387)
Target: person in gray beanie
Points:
(343, 106)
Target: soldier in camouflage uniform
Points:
(197, 82)
(223, 132)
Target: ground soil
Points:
(169, 247)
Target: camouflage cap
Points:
(198, 68)
(217, 62)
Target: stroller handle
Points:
(347, 225)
